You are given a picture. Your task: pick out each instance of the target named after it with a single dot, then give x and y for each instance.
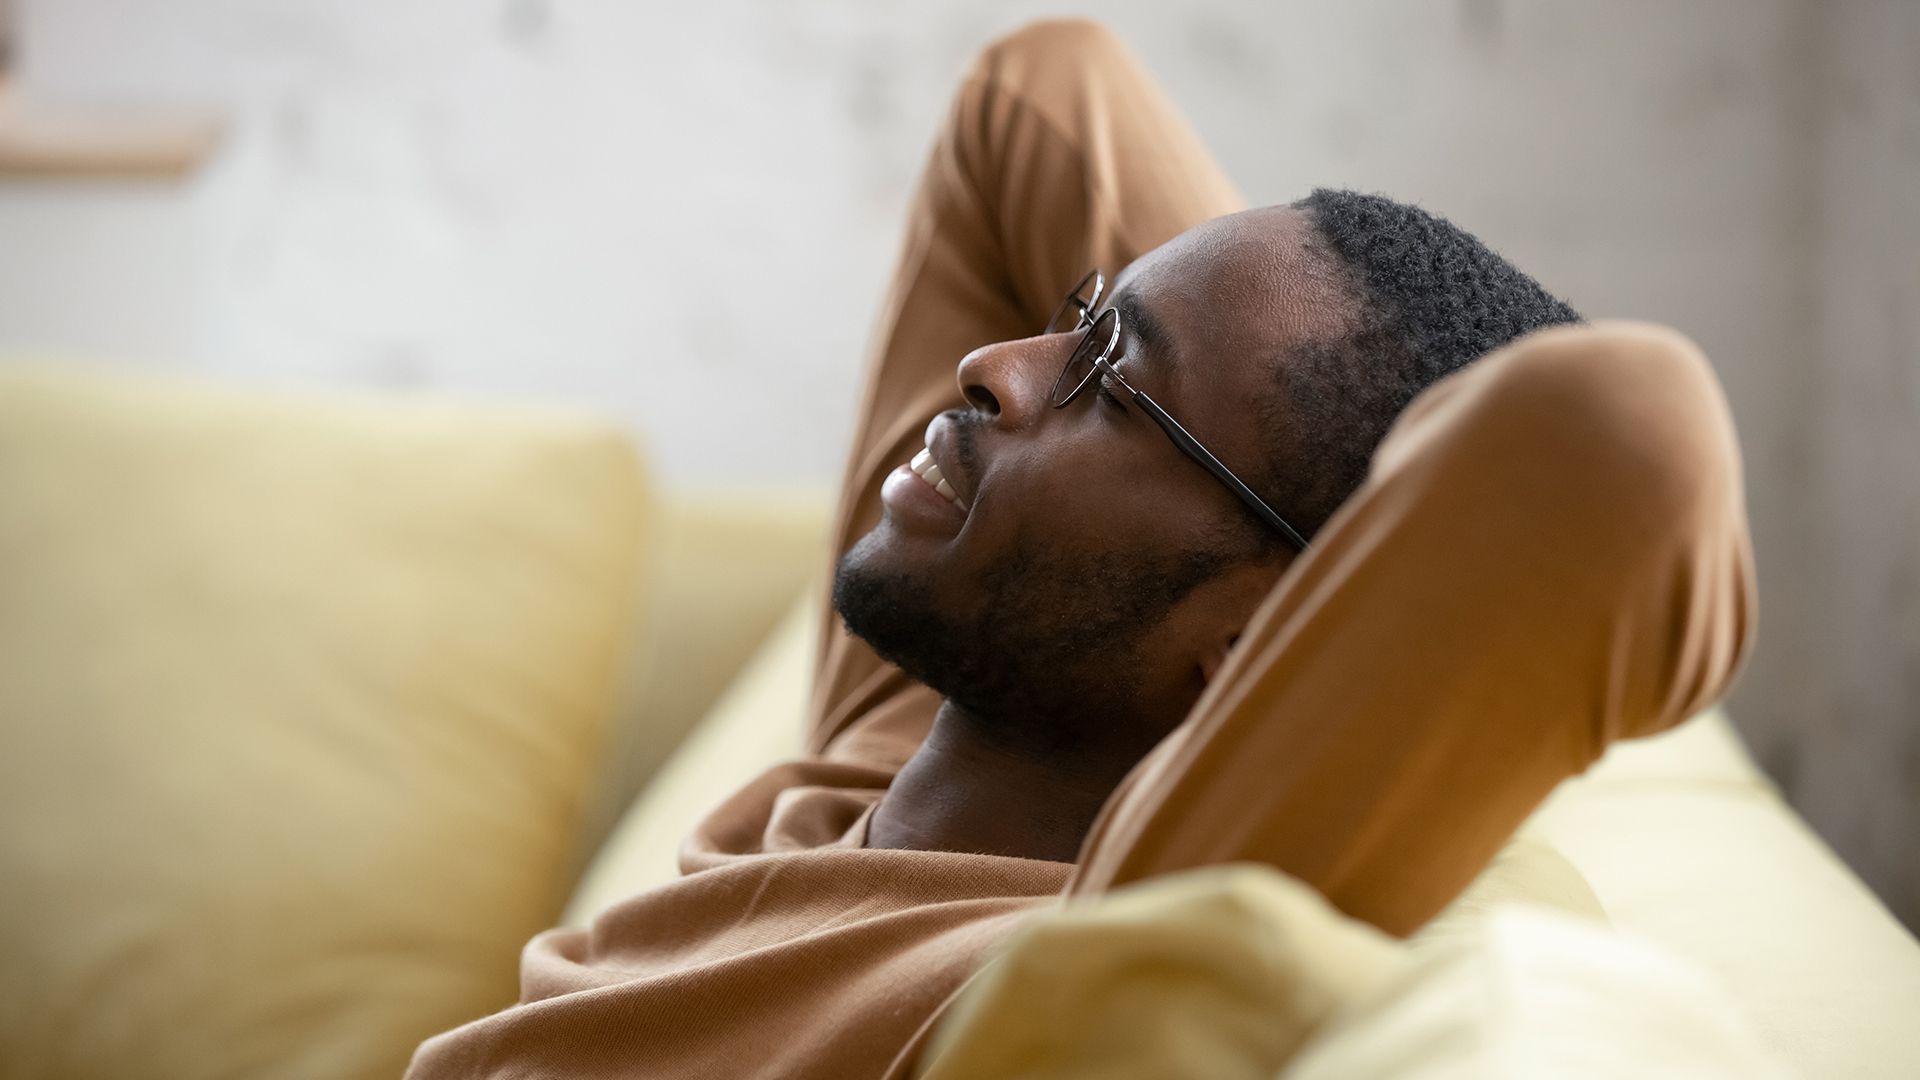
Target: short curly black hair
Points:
(1431, 299)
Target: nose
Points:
(1008, 382)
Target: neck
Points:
(965, 789)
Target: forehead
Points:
(1238, 291)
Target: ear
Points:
(1230, 601)
(1215, 656)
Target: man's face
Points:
(1093, 565)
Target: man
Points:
(1228, 567)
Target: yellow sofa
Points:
(313, 710)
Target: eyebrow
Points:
(1141, 323)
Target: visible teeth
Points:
(922, 464)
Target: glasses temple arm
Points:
(1212, 464)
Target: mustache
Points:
(966, 430)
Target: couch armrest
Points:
(726, 566)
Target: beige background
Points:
(637, 207)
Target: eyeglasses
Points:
(1100, 331)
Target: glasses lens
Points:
(1092, 345)
(1073, 310)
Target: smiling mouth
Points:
(923, 467)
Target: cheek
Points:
(1092, 493)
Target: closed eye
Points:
(1108, 395)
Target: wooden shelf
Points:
(55, 141)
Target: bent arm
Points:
(1550, 553)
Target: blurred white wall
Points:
(1841, 704)
(688, 211)
(684, 215)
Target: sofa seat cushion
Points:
(1532, 993)
(1687, 844)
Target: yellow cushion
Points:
(299, 705)
(1221, 972)
(1240, 971)
(1530, 993)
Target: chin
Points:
(877, 594)
(877, 554)
(887, 601)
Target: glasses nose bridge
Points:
(1089, 346)
(1013, 381)
(1083, 299)
(1087, 309)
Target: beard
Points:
(1048, 652)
